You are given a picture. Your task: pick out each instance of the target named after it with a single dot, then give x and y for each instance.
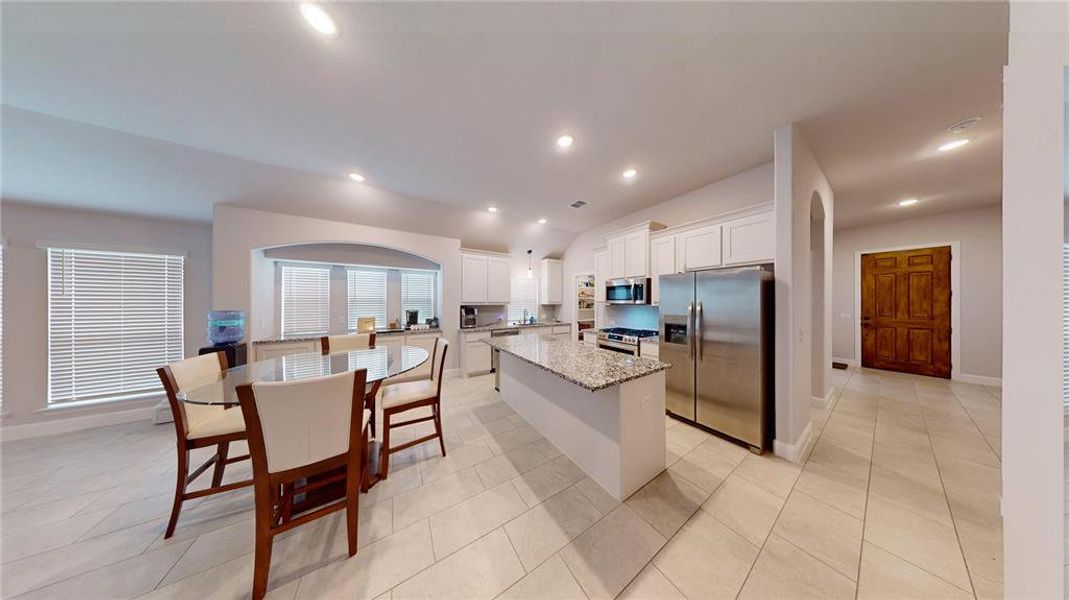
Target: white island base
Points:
(616, 434)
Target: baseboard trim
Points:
(979, 379)
(821, 403)
(847, 361)
(70, 424)
(794, 452)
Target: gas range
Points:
(625, 335)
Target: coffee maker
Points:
(469, 315)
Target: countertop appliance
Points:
(469, 317)
(494, 354)
(634, 290)
(623, 339)
(716, 331)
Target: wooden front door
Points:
(905, 311)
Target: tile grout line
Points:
(946, 496)
(868, 492)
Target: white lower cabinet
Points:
(590, 338)
(475, 355)
(649, 348)
(557, 329)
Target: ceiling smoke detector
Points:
(578, 204)
(963, 125)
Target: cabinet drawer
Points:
(476, 335)
(562, 329)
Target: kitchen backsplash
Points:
(634, 316)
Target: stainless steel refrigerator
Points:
(716, 331)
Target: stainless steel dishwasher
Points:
(493, 354)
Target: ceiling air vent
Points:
(578, 204)
(963, 125)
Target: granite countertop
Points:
(503, 325)
(587, 367)
(307, 337)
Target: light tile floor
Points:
(898, 498)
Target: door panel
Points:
(676, 349)
(905, 311)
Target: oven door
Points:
(620, 347)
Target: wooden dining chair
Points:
(201, 426)
(354, 341)
(305, 436)
(344, 343)
(402, 397)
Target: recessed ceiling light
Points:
(565, 141)
(954, 144)
(318, 19)
(629, 174)
(541, 221)
(357, 177)
(908, 202)
(491, 208)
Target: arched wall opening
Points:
(818, 380)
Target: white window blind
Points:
(305, 300)
(366, 296)
(1065, 325)
(113, 318)
(524, 295)
(417, 293)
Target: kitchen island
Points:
(603, 409)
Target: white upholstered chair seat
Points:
(410, 391)
(349, 342)
(220, 423)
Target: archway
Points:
(817, 300)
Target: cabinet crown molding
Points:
(485, 253)
(738, 213)
(643, 226)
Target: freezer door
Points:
(677, 342)
(731, 357)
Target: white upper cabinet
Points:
(499, 282)
(552, 282)
(662, 262)
(637, 247)
(700, 248)
(601, 274)
(484, 279)
(749, 240)
(473, 273)
(617, 258)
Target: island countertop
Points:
(590, 368)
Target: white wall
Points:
(744, 189)
(979, 233)
(26, 295)
(1033, 145)
(797, 178)
(240, 270)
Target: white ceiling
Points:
(169, 108)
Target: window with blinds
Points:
(523, 296)
(305, 300)
(366, 296)
(113, 318)
(1065, 325)
(417, 293)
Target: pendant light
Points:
(530, 270)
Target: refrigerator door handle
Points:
(698, 322)
(690, 329)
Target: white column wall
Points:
(1033, 505)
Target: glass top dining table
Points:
(381, 362)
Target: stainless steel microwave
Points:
(635, 290)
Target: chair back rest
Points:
(438, 362)
(347, 342)
(292, 424)
(190, 373)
